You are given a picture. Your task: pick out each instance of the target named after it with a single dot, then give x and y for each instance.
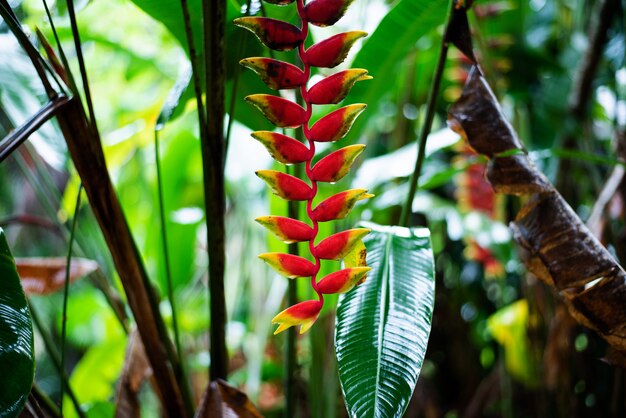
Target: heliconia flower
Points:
(339, 205)
(275, 34)
(283, 148)
(332, 51)
(493, 268)
(326, 12)
(304, 314)
(336, 246)
(289, 265)
(276, 74)
(336, 87)
(336, 125)
(286, 186)
(281, 112)
(336, 165)
(287, 229)
(342, 281)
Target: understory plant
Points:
(284, 113)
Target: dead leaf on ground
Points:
(223, 401)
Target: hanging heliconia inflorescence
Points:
(282, 36)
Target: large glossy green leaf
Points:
(383, 324)
(16, 337)
(386, 48)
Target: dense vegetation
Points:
(128, 199)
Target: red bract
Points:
(343, 280)
(339, 205)
(281, 112)
(326, 12)
(284, 149)
(336, 87)
(286, 186)
(336, 125)
(289, 265)
(338, 245)
(286, 229)
(275, 34)
(331, 52)
(276, 74)
(336, 165)
(304, 314)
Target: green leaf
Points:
(383, 324)
(16, 337)
(384, 51)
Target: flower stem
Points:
(428, 121)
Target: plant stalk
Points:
(212, 148)
(83, 69)
(88, 157)
(166, 254)
(428, 121)
(66, 287)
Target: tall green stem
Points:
(166, 253)
(83, 69)
(66, 287)
(428, 122)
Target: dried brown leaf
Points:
(45, 275)
(136, 370)
(223, 401)
(555, 244)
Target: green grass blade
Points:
(383, 325)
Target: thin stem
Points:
(66, 64)
(66, 287)
(166, 256)
(428, 121)
(81, 65)
(195, 70)
(56, 360)
(45, 402)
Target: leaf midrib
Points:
(384, 308)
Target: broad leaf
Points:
(383, 324)
(16, 337)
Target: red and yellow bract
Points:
(284, 113)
